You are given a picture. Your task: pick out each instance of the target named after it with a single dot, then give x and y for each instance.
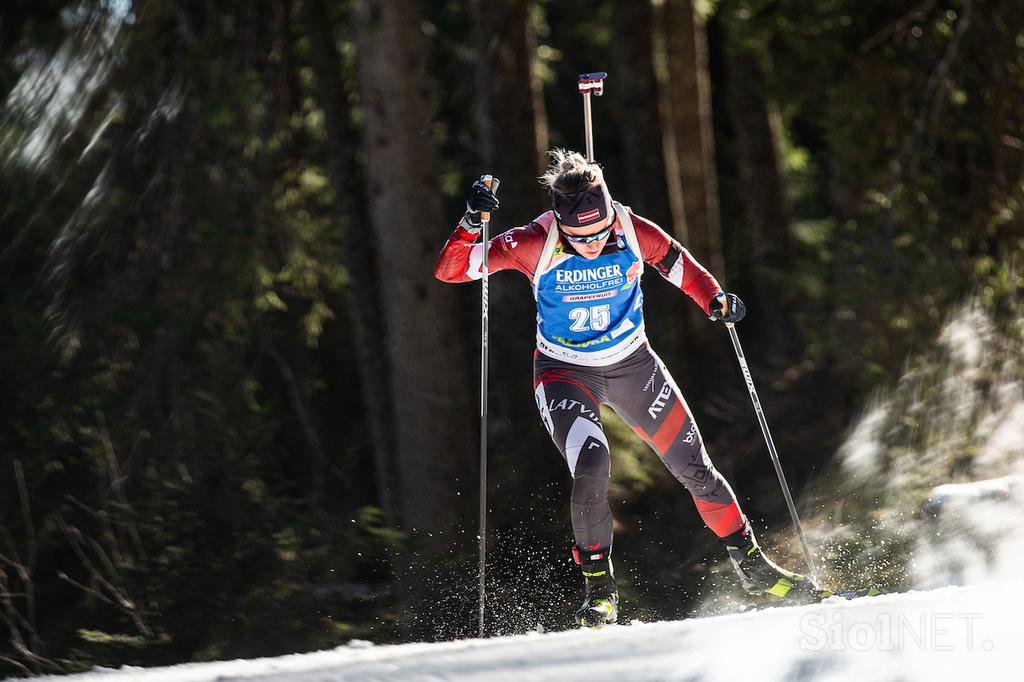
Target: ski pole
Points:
(771, 446)
(590, 83)
(485, 218)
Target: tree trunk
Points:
(364, 302)
(512, 121)
(686, 107)
(767, 251)
(678, 226)
(653, 187)
(634, 92)
(691, 113)
(512, 124)
(427, 389)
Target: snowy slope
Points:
(953, 633)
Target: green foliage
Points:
(189, 269)
(904, 203)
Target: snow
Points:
(974, 533)
(1002, 488)
(952, 633)
(862, 451)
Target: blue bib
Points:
(590, 312)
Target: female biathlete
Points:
(585, 259)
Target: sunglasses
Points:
(588, 238)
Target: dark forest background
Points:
(239, 415)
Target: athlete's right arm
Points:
(461, 259)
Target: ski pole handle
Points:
(492, 184)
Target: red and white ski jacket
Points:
(520, 249)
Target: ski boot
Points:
(759, 575)
(601, 599)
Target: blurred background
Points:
(240, 415)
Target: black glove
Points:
(480, 198)
(728, 308)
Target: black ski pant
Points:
(642, 392)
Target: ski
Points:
(853, 593)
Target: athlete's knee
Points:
(686, 450)
(583, 442)
(589, 462)
(707, 483)
(691, 466)
(704, 484)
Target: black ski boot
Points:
(601, 599)
(759, 575)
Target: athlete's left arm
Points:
(675, 263)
